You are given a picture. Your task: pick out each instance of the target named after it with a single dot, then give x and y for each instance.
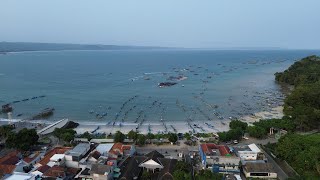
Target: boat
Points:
(27, 99)
(7, 108)
(15, 102)
(19, 115)
(166, 84)
(35, 97)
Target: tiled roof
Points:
(96, 155)
(30, 159)
(119, 148)
(10, 159)
(208, 149)
(6, 169)
(55, 171)
(43, 168)
(57, 150)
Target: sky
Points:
(292, 24)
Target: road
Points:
(281, 174)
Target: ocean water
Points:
(95, 87)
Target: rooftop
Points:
(211, 149)
(258, 167)
(100, 169)
(250, 147)
(80, 149)
(57, 150)
(19, 176)
(103, 148)
(119, 148)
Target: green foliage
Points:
(208, 175)
(233, 134)
(303, 104)
(66, 135)
(234, 124)
(204, 135)
(183, 166)
(187, 136)
(119, 137)
(23, 140)
(182, 171)
(150, 136)
(284, 123)
(133, 135)
(173, 137)
(141, 139)
(86, 135)
(257, 131)
(146, 175)
(302, 152)
(305, 71)
(5, 130)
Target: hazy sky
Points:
(181, 23)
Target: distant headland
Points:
(6, 47)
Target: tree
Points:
(233, 134)
(183, 166)
(208, 175)
(150, 136)
(119, 137)
(187, 136)
(146, 175)
(141, 139)
(257, 132)
(173, 137)
(5, 130)
(179, 175)
(86, 135)
(133, 135)
(23, 140)
(234, 124)
(66, 135)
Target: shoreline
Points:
(156, 127)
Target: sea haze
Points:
(96, 86)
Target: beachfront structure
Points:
(247, 152)
(219, 158)
(259, 170)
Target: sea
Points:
(104, 87)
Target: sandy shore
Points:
(156, 127)
(276, 113)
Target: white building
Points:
(248, 152)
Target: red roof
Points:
(10, 159)
(208, 148)
(55, 171)
(29, 159)
(43, 168)
(57, 150)
(119, 148)
(6, 169)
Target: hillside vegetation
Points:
(303, 104)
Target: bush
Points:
(234, 124)
(119, 137)
(23, 140)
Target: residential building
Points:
(248, 152)
(259, 170)
(160, 168)
(219, 158)
(119, 150)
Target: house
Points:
(104, 149)
(248, 152)
(78, 152)
(74, 156)
(61, 172)
(8, 163)
(46, 159)
(219, 158)
(160, 168)
(259, 170)
(119, 150)
(101, 171)
(20, 176)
